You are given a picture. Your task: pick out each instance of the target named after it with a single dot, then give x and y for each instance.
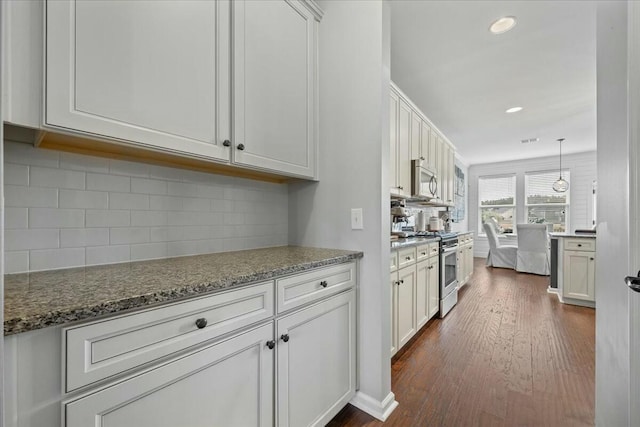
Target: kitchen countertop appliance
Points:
(448, 272)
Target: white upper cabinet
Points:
(235, 82)
(153, 73)
(274, 87)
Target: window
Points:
(543, 205)
(497, 196)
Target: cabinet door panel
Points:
(422, 293)
(227, 384)
(145, 72)
(406, 317)
(416, 124)
(404, 148)
(316, 365)
(394, 105)
(578, 275)
(434, 286)
(274, 86)
(425, 135)
(394, 309)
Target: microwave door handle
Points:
(433, 185)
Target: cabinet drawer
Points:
(423, 252)
(580, 244)
(394, 261)
(304, 288)
(104, 348)
(406, 257)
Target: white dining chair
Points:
(503, 256)
(533, 249)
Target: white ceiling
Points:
(464, 78)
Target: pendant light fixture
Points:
(561, 185)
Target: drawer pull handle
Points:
(324, 284)
(201, 323)
(423, 253)
(579, 245)
(408, 258)
(431, 267)
(271, 344)
(284, 337)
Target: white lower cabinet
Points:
(433, 286)
(406, 300)
(316, 372)
(226, 384)
(578, 271)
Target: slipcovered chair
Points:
(533, 249)
(503, 256)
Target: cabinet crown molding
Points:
(313, 6)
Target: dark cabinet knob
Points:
(226, 143)
(591, 258)
(324, 284)
(284, 337)
(201, 323)
(240, 147)
(401, 281)
(421, 158)
(423, 253)
(271, 344)
(579, 245)
(408, 258)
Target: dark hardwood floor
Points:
(509, 354)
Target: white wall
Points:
(354, 158)
(583, 171)
(67, 210)
(612, 256)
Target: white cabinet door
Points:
(452, 175)
(578, 279)
(152, 73)
(404, 148)
(227, 384)
(469, 261)
(434, 286)
(416, 130)
(406, 308)
(394, 106)
(394, 309)
(422, 293)
(316, 361)
(425, 144)
(274, 90)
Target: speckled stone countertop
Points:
(412, 241)
(572, 235)
(41, 299)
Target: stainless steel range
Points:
(448, 268)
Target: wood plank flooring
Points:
(509, 354)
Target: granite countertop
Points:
(37, 300)
(583, 235)
(412, 241)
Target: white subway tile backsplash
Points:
(56, 218)
(25, 154)
(56, 178)
(149, 251)
(19, 240)
(16, 262)
(104, 182)
(165, 203)
(127, 235)
(148, 186)
(128, 201)
(30, 197)
(66, 210)
(83, 237)
(16, 174)
(83, 199)
(107, 218)
(79, 162)
(108, 254)
(16, 218)
(48, 259)
(182, 189)
(148, 218)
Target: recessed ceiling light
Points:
(513, 110)
(502, 25)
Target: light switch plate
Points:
(356, 219)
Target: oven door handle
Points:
(449, 249)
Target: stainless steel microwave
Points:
(424, 182)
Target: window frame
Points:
(566, 173)
(514, 206)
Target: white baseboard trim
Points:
(373, 407)
(552, 290)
